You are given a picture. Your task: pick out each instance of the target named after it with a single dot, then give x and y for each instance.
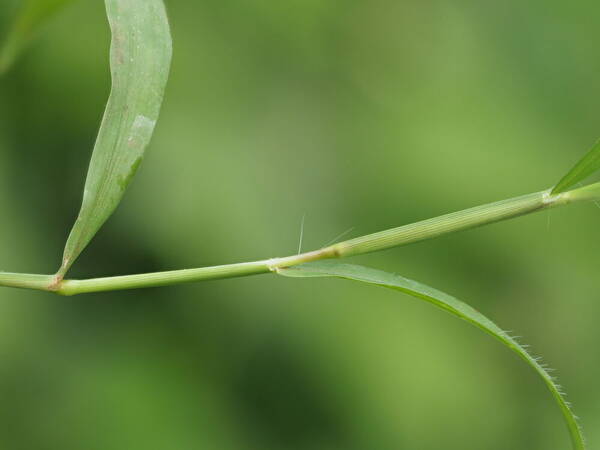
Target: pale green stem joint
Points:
(26, 281)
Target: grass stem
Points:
(407, 234)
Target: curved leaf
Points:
(140, 57)
(449, 304)
(585, 167)
(32, 14)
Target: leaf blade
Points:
(585, 167)
(140, 58)
(449, 304)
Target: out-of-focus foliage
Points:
(358, 113)
(30, 16)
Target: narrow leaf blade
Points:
(31, 16)
(140, 59)
(585, 167)
(449, 304)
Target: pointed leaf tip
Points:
(585, 167)
(140, 58)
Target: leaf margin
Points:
(452, 305)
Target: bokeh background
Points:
(355, 113)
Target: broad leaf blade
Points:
(32, 15)
(449, 304)
(585, 167)
(140, 58)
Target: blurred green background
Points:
(364, 114)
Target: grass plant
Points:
(140, 59)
